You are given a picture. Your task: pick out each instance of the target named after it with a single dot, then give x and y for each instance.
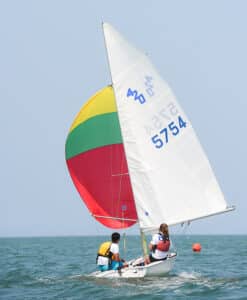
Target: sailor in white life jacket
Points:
(160, 244)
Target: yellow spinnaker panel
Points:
(93, 108)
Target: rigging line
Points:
(114, 218)
(124, 233)
(111, 180)
(181, 230)
(120, 184)
(187, 230)
(173, 245)
(124, 244)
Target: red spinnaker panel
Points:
(101, 177)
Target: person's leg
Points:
(103, 268)
(115, 265)
(151, 258)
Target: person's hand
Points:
(125, 265)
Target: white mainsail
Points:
(171, 177)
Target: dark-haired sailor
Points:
(108, 257)
(160, 244)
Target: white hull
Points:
(159, 268)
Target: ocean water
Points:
(58, 268)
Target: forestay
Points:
(171, 177)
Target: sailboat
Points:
(134, 156)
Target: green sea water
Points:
(58, 268)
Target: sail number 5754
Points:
(165, 134)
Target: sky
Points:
(53, 58)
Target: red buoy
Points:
(196, 247)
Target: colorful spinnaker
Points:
(97, 164)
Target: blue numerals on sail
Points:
(136, 95)
(165, 134)
(149, 88)
(149, 85)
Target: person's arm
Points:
(115, 250)
(117, 257)
(153, 244)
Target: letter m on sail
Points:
(134, 93)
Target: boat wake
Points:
(180, 285)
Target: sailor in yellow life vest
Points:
(108, 254)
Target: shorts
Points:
(115, 265)
(152, 259)
(103, 268)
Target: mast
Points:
(144, 244)
(143, 238)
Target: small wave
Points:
(191, 275)
(46, 280)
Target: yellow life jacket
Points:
(104, 249)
